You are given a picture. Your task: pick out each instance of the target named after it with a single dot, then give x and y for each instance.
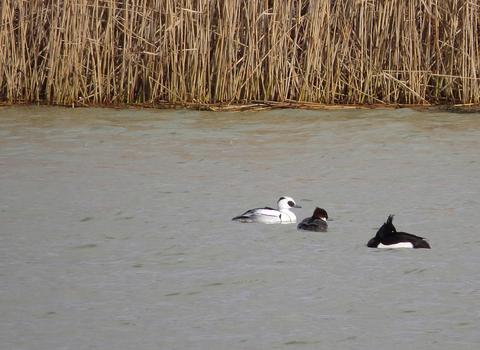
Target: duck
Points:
(317, 222)
(388, 237)
(269, 215)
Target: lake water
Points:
(116, 231)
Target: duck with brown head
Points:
(317, 222)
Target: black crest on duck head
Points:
(387, 228)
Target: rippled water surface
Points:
(115, 229)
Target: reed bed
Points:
(205, 52)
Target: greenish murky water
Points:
(115, 229)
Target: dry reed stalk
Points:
(212, 51)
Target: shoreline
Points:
(257, 106)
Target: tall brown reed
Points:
(211, 51)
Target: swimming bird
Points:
(269, 215)
(317, 222)
(388, 237)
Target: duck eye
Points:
(290, 203)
